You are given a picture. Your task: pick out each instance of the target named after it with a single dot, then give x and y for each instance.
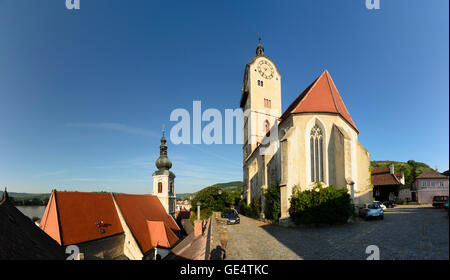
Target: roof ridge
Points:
(331, 90)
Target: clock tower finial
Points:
(259, 48)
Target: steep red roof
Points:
(137, 210)
(321, 96)
(76, 217)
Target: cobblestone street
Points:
(406, 233)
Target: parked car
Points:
(389, 203)
(371, 211)
(381, 204)
(446, 204)
(439, 200)
(232, 216)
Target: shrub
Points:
(321, 206)
(273, 203)
(253, 210)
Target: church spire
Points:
(259, 48)
(163, 162)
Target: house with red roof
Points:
(314, 140)
(110, 225)
(387, 183)
(429, 184)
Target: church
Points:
(314, 140)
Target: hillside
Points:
(411, 168)
(228, 187)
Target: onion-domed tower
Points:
(163, 179)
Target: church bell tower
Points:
(163, 179)
(261, 99)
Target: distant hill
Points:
(411, 168)
(28, 195)
(181, 195)
(28, 198)
(228, 187)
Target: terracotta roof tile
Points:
(321, 96)
(79, 213)
(137, 210)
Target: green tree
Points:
(213, 199)
(273, 202)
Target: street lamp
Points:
(198, 210)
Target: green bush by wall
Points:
(321, 206)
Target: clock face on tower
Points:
(265, 69)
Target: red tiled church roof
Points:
(321, 96)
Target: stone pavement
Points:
(406, 233)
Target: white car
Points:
(383, 207)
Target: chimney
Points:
(436, 168)
(198, 230)
(391, 169)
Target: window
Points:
(432, 184)
(441, 184)
(171, 187)
(316, 149)
(160, 187)
(428, 183)
(424, 184)
(260, 83)
(267, 103)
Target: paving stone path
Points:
(406, 233)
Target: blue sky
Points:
(83, 93)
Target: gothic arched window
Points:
(316, 148)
